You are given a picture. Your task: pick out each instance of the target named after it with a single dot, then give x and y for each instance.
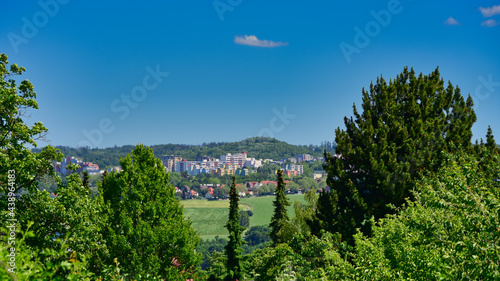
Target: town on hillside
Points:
(238, 164)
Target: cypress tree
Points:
(280, 217)
(85, 182)
(404, 126)
(233, 248)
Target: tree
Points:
(85, 181)
(234, 263)
(15, 135)
(65, 221)
(219, 193)
(280, 218)
(403, 128)
(257, 235)
(486, 152)
(449, 232)
(147, 230)
(293, 187)
(490, 141)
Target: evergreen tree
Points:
(147, 230)
(490, 140)
(280, 218)
(85, 181)
(233, 248)
(485, 154)
(404, 126)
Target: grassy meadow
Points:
(209, 217)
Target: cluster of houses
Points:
(229, 164)
(91, 168)
(217, 191)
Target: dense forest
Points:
(410, 198)
(256, 147)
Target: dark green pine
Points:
(400, 132)
(233, 248)
(280, 217)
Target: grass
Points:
(209, 217)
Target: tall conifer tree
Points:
(233, 248)
(85, 181)
(280, 217)
(404, 126)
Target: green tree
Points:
(305, 212)
(234, 263)
(69, 216)
(486, 152)
(15, 135)
(280, 220)
(403, 128)
(219, 193)
(257, 235)
(147, 231)
(449, 232)
(293, 186)
(245, 218)
(85, 181)
(490, 141)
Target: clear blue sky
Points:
(235, 66)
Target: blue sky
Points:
(114, 73)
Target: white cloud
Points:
(489, 23)
(252, 40)
(451, 21)
(491, 11)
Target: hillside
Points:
(257, 147)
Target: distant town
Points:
(238, 164)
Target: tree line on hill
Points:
(256, 147)
(410, 198)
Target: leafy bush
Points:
(449, 232)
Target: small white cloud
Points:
(252, 40)
(489, 23)
(451, 21)
(491, 11)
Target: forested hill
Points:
(256, 147)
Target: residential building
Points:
(170, 162)
(318, 174)
(91, 168)
(253, 163)
(237, 159)
(294, 168)
(303, 157)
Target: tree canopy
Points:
(147, 230)
(16, 99)
(404, 126)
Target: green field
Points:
(209, 217)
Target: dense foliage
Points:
(16, 136)
(404, 126)
(449, 232)
(407, 176)
(146, 229)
